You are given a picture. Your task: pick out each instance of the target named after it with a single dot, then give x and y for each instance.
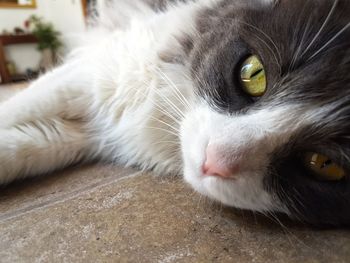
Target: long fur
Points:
(153, 85)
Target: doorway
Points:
(88, 7)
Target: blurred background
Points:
(34, 34)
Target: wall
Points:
(66, 15)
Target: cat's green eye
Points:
(323, 167)
(253, 77)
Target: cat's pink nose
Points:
(214, 166)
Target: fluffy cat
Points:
(248, 99)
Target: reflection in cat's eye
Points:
(253, 77)
(323, 167)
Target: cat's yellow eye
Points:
(253, 77)
(323, 167)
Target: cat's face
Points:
(286, 148)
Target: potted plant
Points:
(48, 40)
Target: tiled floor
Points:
(102, 213)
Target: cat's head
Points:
(270, 129)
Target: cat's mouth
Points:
(243, 191)
(222, 170)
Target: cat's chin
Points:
(245, 191)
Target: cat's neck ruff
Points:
(140, 101)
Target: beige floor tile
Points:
(103, 213)
(107, 214)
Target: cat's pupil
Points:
(256, 73)
(326, 163)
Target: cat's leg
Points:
(64, 92)
(43, 127)
(39, 147)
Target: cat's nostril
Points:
(213, 170)
(214, 166)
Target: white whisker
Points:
(297, 53)
(165, 123)
(178, 94)
(330, 41)
(161, 129)
(322, 27)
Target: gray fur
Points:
(307, 60)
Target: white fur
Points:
(114, 93)
(115, 99)
(248, 140)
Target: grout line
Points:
(44, 204)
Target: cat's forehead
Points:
(304, 45)
(297, 34)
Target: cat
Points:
(249, 100)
